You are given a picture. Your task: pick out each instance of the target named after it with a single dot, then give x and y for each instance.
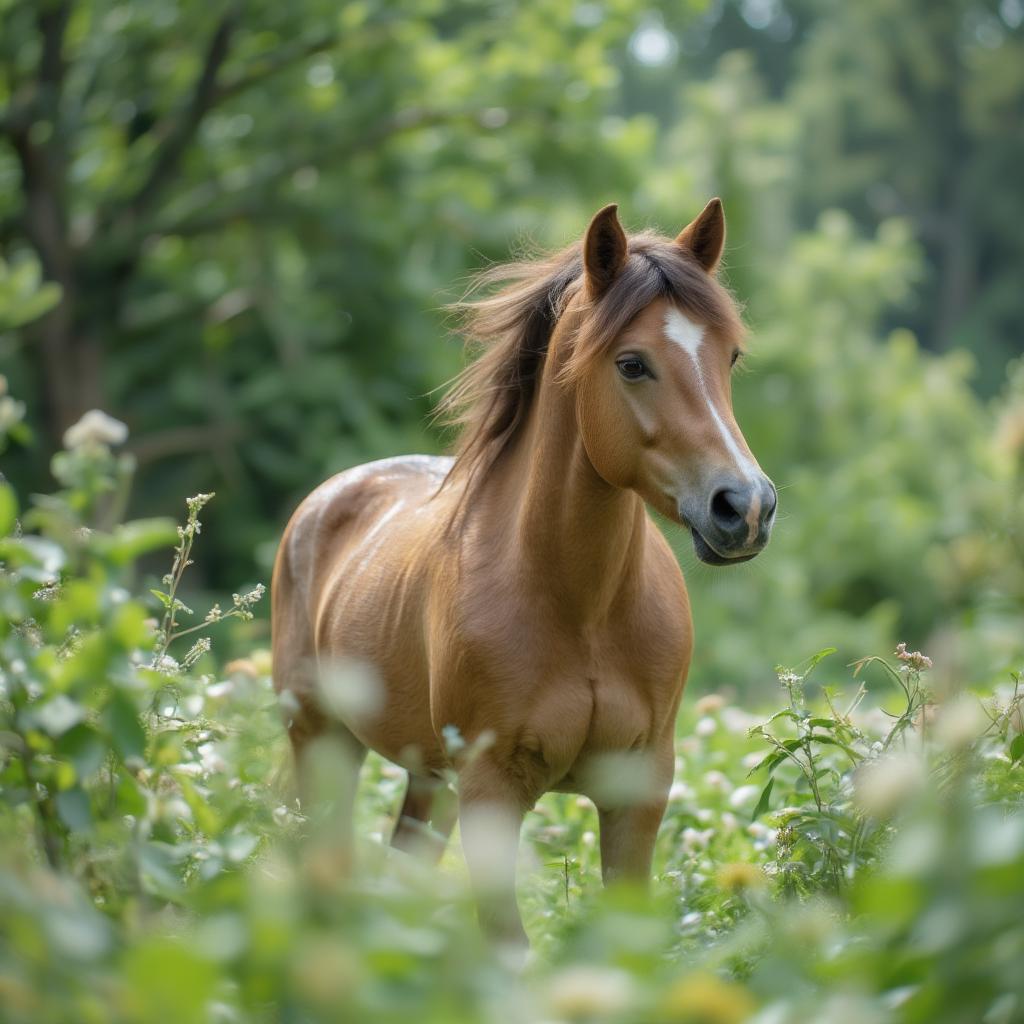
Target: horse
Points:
(518, 596)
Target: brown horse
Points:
(520, 594)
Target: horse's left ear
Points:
(604, 249)
(704, 237)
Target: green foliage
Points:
(154, 862)
(23, 296)
(232, 226)
(251, 259)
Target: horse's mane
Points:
(489, 401)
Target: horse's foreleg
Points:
(627, 841)
(491, 813)
(427, 818)
(628, 832)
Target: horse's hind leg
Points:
(327, 755)
(427, 818)
(328, 758)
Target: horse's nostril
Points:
(724, 509)
(769, 506)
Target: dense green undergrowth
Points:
(854, 856)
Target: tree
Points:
(250, 209)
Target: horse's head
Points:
(654, 398)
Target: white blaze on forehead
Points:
(690, 337)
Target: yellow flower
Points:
(261, 659)
(241, 667)
(740, 877)
(706, 999)
(326, 973)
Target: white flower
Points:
(210, 759)
(705, 727)
(93, 429)
(753, 758)
(167, 665)
(680, 791)
(744, 796)
(696, 839)
(581, 992)
(761, 832)
(716, 780)
(738, 721)
(959, 723)
(882, 786)
(12, 412)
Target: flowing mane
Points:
(490, 399)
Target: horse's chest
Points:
(584, 718)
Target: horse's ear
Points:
(604, 250)
(704, 237)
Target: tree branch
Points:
(197, 218)
(183, 440)
(170, 152)
(261, 69)
(53, 20)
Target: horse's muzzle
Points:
(736, 523)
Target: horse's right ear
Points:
(604, 250)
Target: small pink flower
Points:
(913, 659)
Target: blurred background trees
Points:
(249, 215)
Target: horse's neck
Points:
(576, 536)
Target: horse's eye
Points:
(632, 368)
(735, 357)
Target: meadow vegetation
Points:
(839, 859)
(234, 230)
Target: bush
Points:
(153, 865)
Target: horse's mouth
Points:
(707, 554)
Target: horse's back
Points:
(346, 519)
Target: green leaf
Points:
(832, 742)
(814, 659)
(58, 715)
(1017, 748)
(8, 509)
(205, 815)
(128, 626)
(769, 761)
(83, 748)
(784, 713)
(132, 540)
(35, 558)
(73, 809)
(126, 732)
(166, 980)
(158, 868)
(762, 803)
